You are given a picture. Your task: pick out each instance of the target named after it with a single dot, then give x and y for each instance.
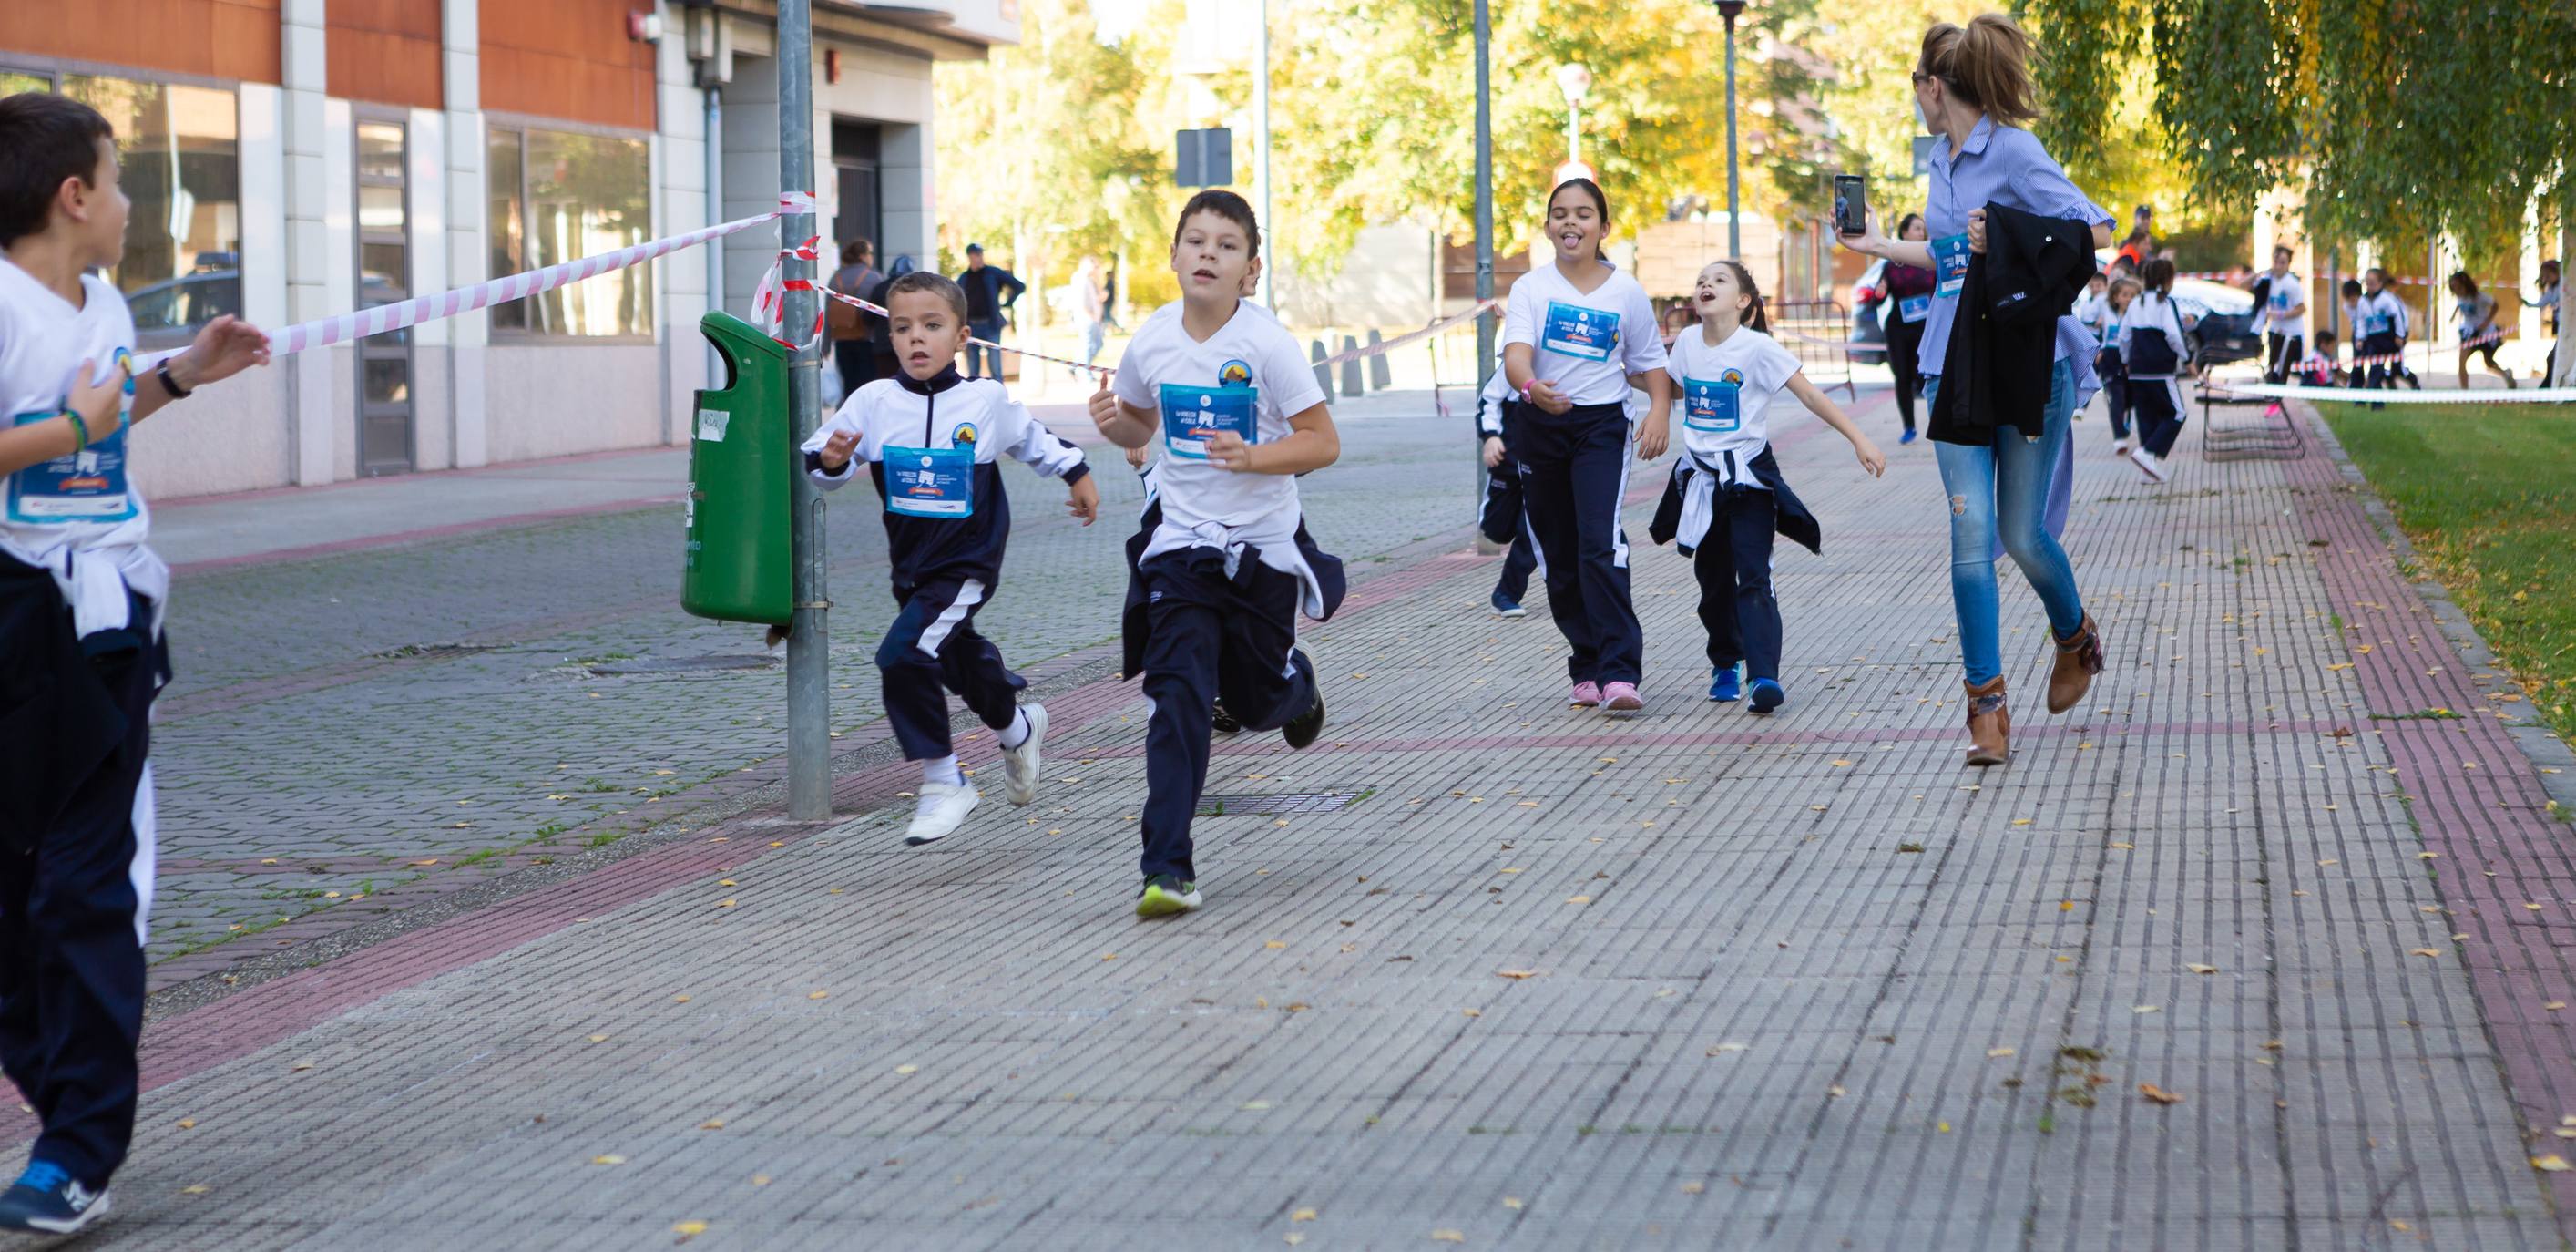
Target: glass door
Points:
(384, 277)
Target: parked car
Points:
(186, 301)
(2218, 320)
(1868, 327)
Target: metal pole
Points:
(715, 214)
(809, 697)
(1261, 122)
(1734, 216)
(1484, 213)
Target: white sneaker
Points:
(2120, 447)
(1020, 764)
(2149, 464)
(941, 810)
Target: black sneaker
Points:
(1302, 730)
(47, 1200)
(1220, 721)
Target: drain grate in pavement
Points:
(1275, 803)
(686, 664)
(433, 651)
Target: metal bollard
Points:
(1381, 371)
(1323, 372)
(1351, 370)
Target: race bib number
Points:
(1712, 407)
(930, 482)
(1950, 264)
(1575, 331)
(1194, 415)
(1913, 308)
(87, 486)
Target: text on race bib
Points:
(1713, 406)
(86, 486)
(930, 482)
(1194, 415)
(1950, 264)
(1576, 331)
(1913, 308)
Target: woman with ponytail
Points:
(1578, 336)
(1973, 86)
(1727, 496)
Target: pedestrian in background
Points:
(1909, 306)
(2547, 300)
(849, 327)
(881, 362)
(2478, 330)
(990, 293)
(2283, 297)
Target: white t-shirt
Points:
(1248, 377)
(81, 502)
(2288, 292)
(1725, 395)
(1588, 345)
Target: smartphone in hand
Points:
(1851, 204)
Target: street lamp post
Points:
(1576, 82)
(1730, 10)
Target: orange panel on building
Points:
(568, 59)
(212, 38)
(385, 52)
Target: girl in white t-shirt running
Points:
(1578, 336)
(1727, 497)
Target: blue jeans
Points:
(988, 329)
(2004, 488)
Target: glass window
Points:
(558, 197)
(380, 150)
(182, 170)
(12, 82)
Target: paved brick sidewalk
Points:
(1545, 980)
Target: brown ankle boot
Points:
(1989, 724)
(2078, 659)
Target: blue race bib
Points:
(2280, 301)
(930, 482)
(1913, 308)
(1950, 264)
(1193, 415)
(1712, 407)
(1575, 331)
(87, 486)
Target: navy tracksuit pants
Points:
(1574, 476)
(1210, 637)
(2161, 412)
(2115, 390)
(1733, 564)
(1505, 519)
(71, 944)
(931, 650)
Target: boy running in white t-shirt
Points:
(1212, 605)
(1727, 496)
(934, 443)
(81, 603)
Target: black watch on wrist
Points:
(168, 383)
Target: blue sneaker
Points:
(1724, 687)
(1505, 606)
(1907, 437)
(47, 1200)
(1767, 695)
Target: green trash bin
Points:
(741, 470)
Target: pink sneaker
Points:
(1585, 695)
(1621, 698)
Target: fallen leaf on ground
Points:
(2552, 1163)
(1729, 1047)
(2021, 821)
(599, 1038)
(1448, 1236)
(1294, 1238)
(300, 1066)
(1578, 899)
(1256, 1106)
(1999, 1052)
(760, 1180)
(1694, 1188)
(1302, 1215)
(1473, 1012)
(711, 1124)
(2199, 968)
(2158, 1094)
(1516, 973)
(2147, 1008)
(193, 1189)
(689, 1230)
(819, 995)
(1512, 1202)
(611, 1159)
(901, 1070)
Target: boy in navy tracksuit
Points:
(933, 442)
(1217, 582)
(81, 652)
(1502, 519)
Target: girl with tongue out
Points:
(1577, 337)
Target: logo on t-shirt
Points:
(1234, 374)
(125, 368)
(1735, 376)
(965, 436)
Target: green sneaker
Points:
(1166, 896)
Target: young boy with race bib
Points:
(1216, 586)
(81, 652)
(1727, 496)
(934, 441)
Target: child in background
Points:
(1727, 496)
(2108, 364)
(82, 654)
(933, 441)
(2384, 324)
(2152, 348)
(1215, 589)
(2477, 323)
(1502, 520)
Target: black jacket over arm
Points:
(1996, 372)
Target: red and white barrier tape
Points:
(2388, 395)
(2493, 335)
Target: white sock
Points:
(1017, 732)
(943, 770)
